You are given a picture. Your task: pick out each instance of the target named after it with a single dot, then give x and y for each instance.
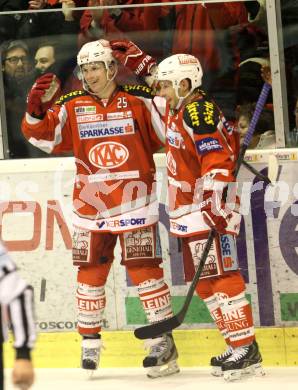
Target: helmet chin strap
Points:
(180, 98)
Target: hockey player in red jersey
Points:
(201, 151)
(110, 129)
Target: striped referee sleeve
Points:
(18, 297)
(21, 314)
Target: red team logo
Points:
(108, 155)
(128, 129)
(228, 262)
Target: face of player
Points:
(44, 58)
(17, 63)
(166, 90)
(96, 76)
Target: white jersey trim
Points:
(46, 145)
(193, 223)
(31, 120)
(123, 208)
(189, 130)
(99, 177)
(142, 217)
(156, 119)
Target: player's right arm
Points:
(46, 124)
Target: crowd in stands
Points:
(222, 35)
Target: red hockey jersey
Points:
(113, 147)
(201, 149)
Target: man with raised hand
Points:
(113, 132)
(201, 152)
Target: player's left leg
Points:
(192, 248)
(223, 290)
(237, 315)
(156, 300)
(204, 290)
(141, 255)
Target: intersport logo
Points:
(108, 155)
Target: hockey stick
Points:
(265, 179)
(273, 168)
(158, 328)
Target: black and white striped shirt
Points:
(16, 297)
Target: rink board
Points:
(279, 347)
(35, 223)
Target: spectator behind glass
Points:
(8, 23)
(146, 26)
(99, 23)
(264, 135)
(220, 36)
(141, 24)
(296, 115)
(35, 25)
(17, 80)
(16, 62)
(45, 57)
(50, 57)
(289, 18)
(293, 136)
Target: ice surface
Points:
(135, 379)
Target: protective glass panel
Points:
(230, 39)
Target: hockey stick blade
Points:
(158, 328)
(273, 168)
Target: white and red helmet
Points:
(179, 67)
(97, 51)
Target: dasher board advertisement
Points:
(36, 215)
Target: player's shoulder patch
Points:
(139, 90)
(202, 116)
(69, 96)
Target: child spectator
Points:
(264, 135)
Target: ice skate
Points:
(244, 360)
(90, 354)
(161, 360)
(217, 361)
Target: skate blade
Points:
(216, 371)
(253, 370)
(89, 373)
(164, 370)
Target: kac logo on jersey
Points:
(207, 145)
(108, 155)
